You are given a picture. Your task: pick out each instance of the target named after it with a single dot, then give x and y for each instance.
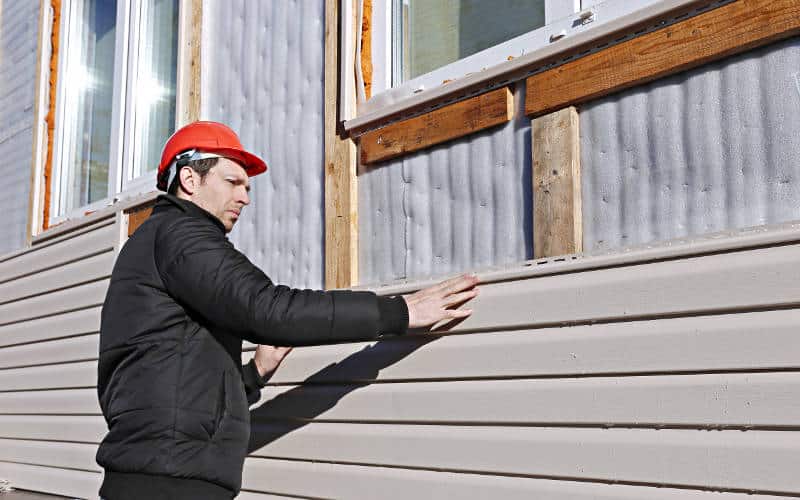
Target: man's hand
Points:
(432, 305)
(268, 358)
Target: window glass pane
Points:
(87, 101)
(154, 83)
(433, 33)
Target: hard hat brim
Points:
(251, 163)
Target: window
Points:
(116, 99)
(428, 35)
(423, 50)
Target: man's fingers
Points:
(458, 298)
(458, 313)
(457, 284)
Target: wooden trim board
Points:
(557, 214)
(137, 216)
(438, 126)
(341, 188)
(724, 31)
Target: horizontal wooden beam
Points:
(727, 30)
(438, 126)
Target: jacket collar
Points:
(166, 202)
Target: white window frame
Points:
(120, 185)
(569, 23)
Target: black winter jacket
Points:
(170, 381)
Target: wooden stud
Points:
(438, 126)
(557, 216)
(189, 62)
(726, 30)
(341, 188)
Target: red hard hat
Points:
(207, 137)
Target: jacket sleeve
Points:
(253, 382)
(203, 272)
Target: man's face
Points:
(224, 192)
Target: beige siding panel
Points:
(81, 271)
(55, 402)
(56, 254)
(80, 348)
(763, 340)
(59, 376)
(355, 482)
(74, 483)
(78, 297)
(249, 495)
(753, 399)
(62, 325)
(82, 428)
(761, 278)
(67, 455)
(750, 460)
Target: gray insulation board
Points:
(462, 205)
(263, 74)
(710, 149)
(18, 45)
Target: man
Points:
(180, 302)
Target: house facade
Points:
(624, 177)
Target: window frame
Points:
(487, 65)
(126, 60)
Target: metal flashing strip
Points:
(662, 14)
(722, 242)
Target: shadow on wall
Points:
(295, 408)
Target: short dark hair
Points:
(200, 166)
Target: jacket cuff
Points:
(394, 315)
(251, 376)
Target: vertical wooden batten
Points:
(189, 62)
(557, 215)
(341, 188)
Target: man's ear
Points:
(187, 179)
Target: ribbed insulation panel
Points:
(462, 205)
(710, 149)
(18, 45)
(263, 74)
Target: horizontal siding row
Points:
(764, 400)
(50, 298)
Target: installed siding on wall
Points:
(465, 204)
(713, 148)
(18, 43)
(50, 298)
(263, 73)
(572, 381)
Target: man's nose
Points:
(244, 197)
